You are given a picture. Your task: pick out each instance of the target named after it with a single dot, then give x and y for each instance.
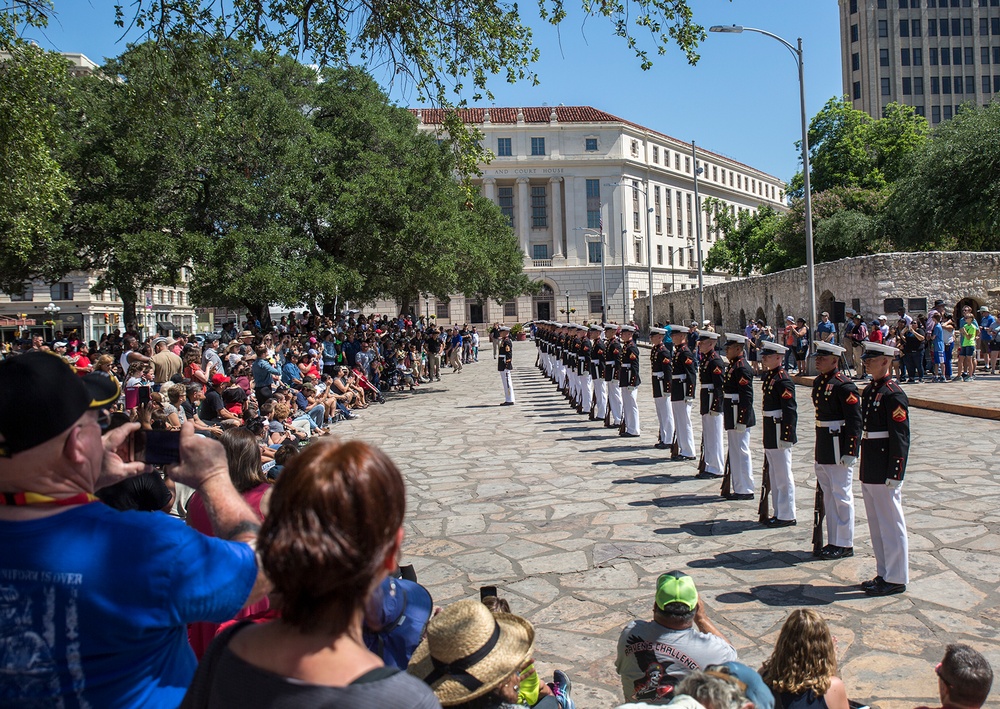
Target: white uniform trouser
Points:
(711, 440)
(615, 402)
(587, 390)
(740, 465)
(508, 386)
(574, 385)
(884, 507)
(665, 418)
(630, 409)
(838, 501)
(560, 374)
(683, 428)
(779, 463)
(600, 397)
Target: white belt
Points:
(832, 425)
(875, 434)
(595, 361)
(708, 386)
(773, 413)
(732, 397)
(679, 376)
(658, 375)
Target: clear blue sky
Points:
(741, 99)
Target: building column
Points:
(557, 217)
(489, 189)
(523, 215)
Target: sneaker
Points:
(561, 687)
(353, 417)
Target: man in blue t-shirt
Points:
(94, 602)
(826, 331)
(988, 344)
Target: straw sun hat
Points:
(470, 651)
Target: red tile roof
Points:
(564, 114)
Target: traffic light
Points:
(635, 294)
(117, 318)
(107, 318)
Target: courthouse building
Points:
(563, 175)
(934, 55)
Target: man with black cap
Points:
(628, 383)
(738, 417)
(711, 375)
(683, 380)
(662, 368)
(838, 440)
(505, 365)
(655, 655)
(103, 597)
(595, 381)
(780, 420)
(612, 372)
(884, 452)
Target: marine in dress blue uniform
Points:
(661, 365)
(780, 420)
(505, 355)
(628, 383)
(884, 450)
(711, 377)
(683, 380)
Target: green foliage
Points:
(847, 148)
(950, 196)
(750, 242)
(34, 90)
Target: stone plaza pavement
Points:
(573, 524)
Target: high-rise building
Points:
(934, 55)
(563, 175)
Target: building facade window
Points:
(918, 86)
(854, 33)
(907, 88)
(883, 28)
(503, 147)
(670, 212)
(915, 28)
(538, 146)
(590, 145)
(539, 217)
(886, 87)
(656, 155)
(904, 28)
(904, 57)
(539, 251)
(506, 199)
(510, 309)
(656, 209)
(635, 206)
(856, 90)
(26, 294)
(638, 250)
(595, 301)
(918, 56)
(659, 255)
(593, 204)
(855, 61)
(594, 251)
(61, 291)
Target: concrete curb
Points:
(945, 407)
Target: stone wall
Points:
(863, 283)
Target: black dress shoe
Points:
(626, 434)
(662, 446)
(877, 581)
(686, 457)
(885, 589)
(740, 496)
(835, 552)
(507, 403)
(775, 522)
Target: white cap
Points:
(674, 329)
(628, 328)
(772, 348)
(657, 331)
(707, 335)
(882, 317)
(594, 327)
(876, 349)
(789, 318)
(733, 339)
(610, 326)
(827, 348)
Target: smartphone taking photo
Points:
(155, 447)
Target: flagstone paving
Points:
(573, 524)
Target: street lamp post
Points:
(797, 54)
(568, 317)
(427, 309)
(697, 235)
(52, 310)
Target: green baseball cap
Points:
(676, 587)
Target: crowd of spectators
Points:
(284, 589)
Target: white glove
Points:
(688, 399)
(894, 484)
(631, 389)
(715, 413)
(783, 445)
(740, 428)
(848, 460)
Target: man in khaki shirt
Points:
(165, 363)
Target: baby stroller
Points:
(392, 379)
(369, 388)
